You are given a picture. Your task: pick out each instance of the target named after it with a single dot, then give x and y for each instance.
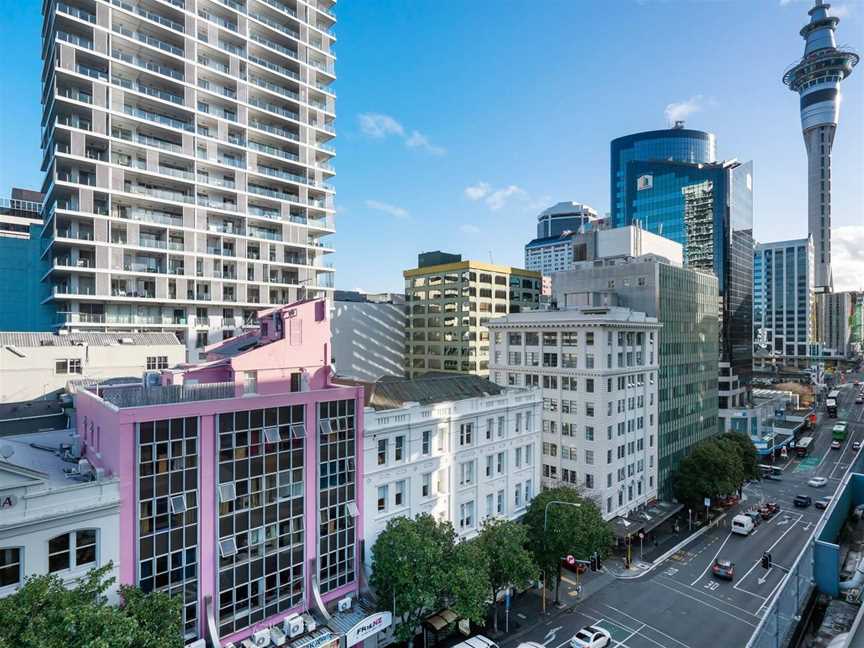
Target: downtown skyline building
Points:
(552, 249)
(187, 152)
(816, 78)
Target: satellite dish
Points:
(6, 451)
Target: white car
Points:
(817, 482)
(856, 445)
(591, 637)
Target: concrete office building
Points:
(457, 447)
(684, 302)
(262, 516)
(621, 242)
(59, 516)
(40, 365)
(551, 250)
(21, 291)
(369, 334)
(784, 307)
(187, 152)
(450, 302)
(816, 78)
(597, 368)
(834, 317)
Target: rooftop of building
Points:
(678, 130)
(391, 392)
(42, 455)
(25, 339)
(568, 208)
(577, 315)
(29, 409)
(469, 265)
(367, 297)
(773, 245)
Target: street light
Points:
(545, 523)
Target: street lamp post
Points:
(545, 523)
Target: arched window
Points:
(11, 562)
(71, 550)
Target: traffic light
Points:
(766, 560)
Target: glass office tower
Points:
(676, 144)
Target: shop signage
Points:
(7, 502)
(371, 625)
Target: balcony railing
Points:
(75, 122)
(148, 90)
(263, 83)
(272, 193)
(265, 234)
(262, 40)
(275, 25)
(219, 20)
(147, 65)
(281, 7)
(272, 150)
(275, 130)
(284, 175)
(91, 72)
(216, 204)
(141, 11)
(73, 290)
(148, 216)
(146, 140)
(140, 396)
(80, 41)
(75, 11)
(274, 66)
(75, 94)
(157, 118)
(152, 41)
(216, 182)
(162, 194)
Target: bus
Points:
(831, 408)
(838, 432)
(802, 446)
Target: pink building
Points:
(238, 477)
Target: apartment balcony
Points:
(74, 39)
(91, 72)
(275, 130)
(158, 118)
(147, 39)
(218, 20)
(273, 108)
(161, 194)
(264, 234)
(272, 193)
(76, 12)
(75, 94)
(263, 212)
(212, 203)
(216, 89)
(67, 262)
(146, 140)
(284, 29)
(281, 69)
(281, 7)
(151, 66)
(284, 175)
(75, 121)
(216, 182)
(141, 11)
(213, 65)
(272, 87)
(149, 216)
(136, 293)
(262, 40)
(148, 90)
(88, 179)
(73, 290)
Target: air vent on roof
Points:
(62, 332)
(126, 340)
(46, 342)
(80, 343)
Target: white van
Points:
(742, 525)
(477, 641)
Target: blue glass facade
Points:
(21, 290)
(673, 144)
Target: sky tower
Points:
(816, 78)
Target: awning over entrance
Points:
(645, 520)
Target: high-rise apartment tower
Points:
(816, 78)
(187, 151)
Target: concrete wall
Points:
(35, 375)
(369, 339)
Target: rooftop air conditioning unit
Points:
(344, 604)
(277, 636)
(46, 342)
(126, 340)
(151, 379)
(293, 625)
(261, 637)
(309, 622)
(85, 469)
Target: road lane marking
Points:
(708, 566)
(713, 607)
(646, 625)
(759, 561)
(631, 635)
(708, 595)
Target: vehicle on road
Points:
(802, 501)
(728, 501)
(768, 510)
(822, 502)
(859, 399)
(591, 637)
(856, 445)
(803, 446)
(817, 482)
(838, 432)
(755, 516)
(742, 525)
(477, 641)
(836, 445)
(576, 567)
(530, 644)
(723, 568)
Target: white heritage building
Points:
(455, 446)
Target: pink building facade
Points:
(239, 477)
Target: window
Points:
(589, 338)
(589, 457)
(518, 428)
(382, 498)
(71, 366)
(499, 463)
(532, 339)
(10, 566)
(382, 452)
(589, 409)
(490, 423)
(569, 338)
(466, 434)
(589, 360)
(466, 473)
(589, 385)
(157, 362)
(550, 382)
(514, 339)
(518, 461)
(529, 421)
(72, 550)
(550, 359)
(528, 493)
(400, 448)
(426, 447)
(517, 499)
(589, 433)
(500, 427)
(399, 493)
(489, 466)
(426, 484)
(250, 382)
(589, 480)
(201, 339)
(499, 505)
(490, 503)
(529, 454)
(466, 515)
(550, 339)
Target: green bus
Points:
(838, 432)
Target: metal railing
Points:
(140, 396)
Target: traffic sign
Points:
(571, 560)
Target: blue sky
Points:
(459, 121)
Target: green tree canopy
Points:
(746, 452)
(505, 544)
(410, 569)
(580, 531)
(712, 469)
(468, 581)
(43, 613)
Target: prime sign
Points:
(372, 624)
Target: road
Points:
(679, 604)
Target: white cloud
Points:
(378, 125)
(392, 210)
(477, 191)
(419, 140)
(847, 257)
(840, 10)
(495, 199)
(680, 111)
(469, 229)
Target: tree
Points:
(712, 469)
(410, 569)
(746, 452)
(578, 531)
(505, 545)
(44, 613)
(468, 581)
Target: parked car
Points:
(836, 445)
(822, 502)
(728, 501)
(742, 525)
(856, 445)
(576, 568)
(768, 510)
(591, 637)
(477, 641)
(817, 482)
(723, 568)
(755, 516)
(802, 501)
